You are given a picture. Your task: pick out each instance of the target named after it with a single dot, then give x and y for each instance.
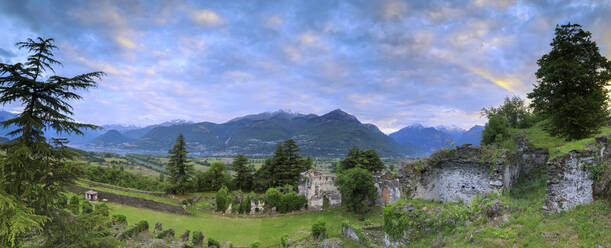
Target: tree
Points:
(367, 159)
(179, 168)
(34, 172)
(214, 178)
(514, 110)
(222, 199)
(496, 130)
(570, 93)
(283, 168)
(357, 188)
(273, 197)
(244, 175)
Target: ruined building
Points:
(573, 180)
(462, 173)
(319, 188)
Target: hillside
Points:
(329, 135)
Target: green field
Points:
(243, 230)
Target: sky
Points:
(391, 63)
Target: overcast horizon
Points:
(389, 63)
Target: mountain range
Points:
(328, 135)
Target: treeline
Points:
(116, 175)
(283, 168)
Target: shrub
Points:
(245, 204)
(222, 200)
(87, 207)
(357, 188)
(62, 201)
(213, 242)
(319, 229)
(119, 219)
(272, 197)
(74, 204)
(255, 244)
(165, 233)
(284, 241)
(198, 239)
(102, 209)
(496, 130)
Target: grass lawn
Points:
(557, 146)
(242, 231)
(133, 194)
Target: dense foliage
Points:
(179, 169)
(496, 130)
(571, 89)
(515, 112)
(212, 179)
(117, 176)
(222, 199)
(319, 229)
(367, 159)
(243, 178)
(34, 172)
(283, 167)
(357, 188)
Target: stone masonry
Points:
(570, 181)
(317, 187)
(389, 189)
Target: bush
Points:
(222, 200)
(272, 197)
(255, 244)
(213, 242)
(118, 219)
(165, 233)
(138, 228)
(245, 204)
(357, 188)
(198, 239)
(284, 241)
(319, 229)
(74, 205)
(87, 207)
(102, 209)
(496, 130)
(62, 201)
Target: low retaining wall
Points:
(132, 201)
(103, 185)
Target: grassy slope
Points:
(243, 230)
(557, 146)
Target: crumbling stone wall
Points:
(466, 171)
(389, 189)
(317, 187)
(570, 177)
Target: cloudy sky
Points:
(391, 63)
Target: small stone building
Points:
(319, 188)
(91, 195)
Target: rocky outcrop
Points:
(578, 177)
(318, 188)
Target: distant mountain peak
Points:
(175, 122)
(339, 114)
(281, 113)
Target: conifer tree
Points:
(244, 174)
(34, 172)
(179, 168)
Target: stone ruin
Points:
(389, 189)
(570, 179)
(318, 187)
(466, 171)
(257, 206)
